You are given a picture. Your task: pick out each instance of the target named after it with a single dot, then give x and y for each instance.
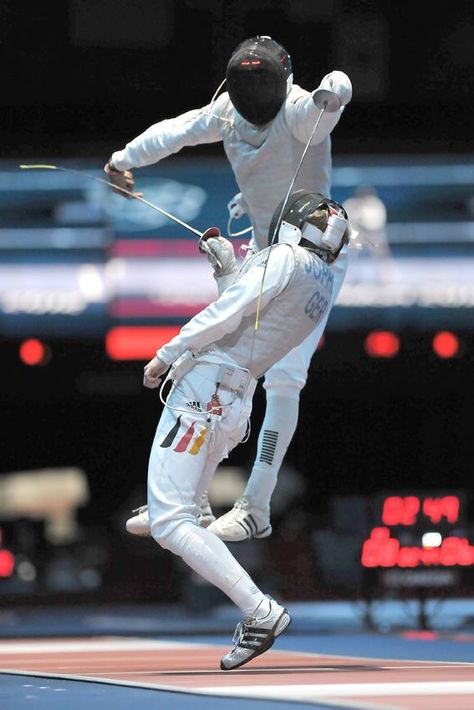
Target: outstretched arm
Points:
(302, 111)
(161, 140)
(169, 136)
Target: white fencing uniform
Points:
(264, 161)
(221, 356)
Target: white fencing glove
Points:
(336, 89)
(220, 254)
(222, 251)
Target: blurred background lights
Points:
(26, 571)
(445, 344)
(34, 352)
(7, 563)
(431, 539)
(382, 343)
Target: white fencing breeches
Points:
(187, 447)
(184, 455)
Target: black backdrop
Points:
(81, 77)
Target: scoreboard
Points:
(419, 539)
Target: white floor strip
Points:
(80, 645)
(346, 690)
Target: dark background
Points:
(82, 77)
(85, 76)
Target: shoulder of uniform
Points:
(286, 252)
(222, 106)
(296, 94)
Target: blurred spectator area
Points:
(77, 259)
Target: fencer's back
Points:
(286, 319)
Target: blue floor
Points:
(26, 692)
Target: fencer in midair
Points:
(214, 363)
(264, 121)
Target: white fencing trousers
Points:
(183, 458)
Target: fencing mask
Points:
(313, 221)
(258, 78)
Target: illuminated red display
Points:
(405, 510)
(381, 550)
(382, 343)
(446, 344)
(7, 563)
(138, 342)
(423, 514)
(34, 352)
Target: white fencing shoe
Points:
(139, 524)
(256, 635)
(241, 523)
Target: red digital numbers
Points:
(438, 508)
(382, 550)
(398, 510)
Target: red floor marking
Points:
(279, 674)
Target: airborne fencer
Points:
(213, 366)
(263, 121)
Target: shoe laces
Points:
(243, 626)
(241, 504)
(140, 510)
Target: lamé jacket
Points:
(264, 159)
(289, 287)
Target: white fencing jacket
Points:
(296, 294)
(264, 159)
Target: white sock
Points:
(207, 555)
(279, 425)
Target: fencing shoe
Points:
(256, 635)
(139, 524)
(241, 523)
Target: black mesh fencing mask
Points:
(256, 77)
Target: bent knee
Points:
(168, 532)
(172, 536)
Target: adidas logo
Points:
(194, 405)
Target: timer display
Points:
(417, 531)
(409, 510)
